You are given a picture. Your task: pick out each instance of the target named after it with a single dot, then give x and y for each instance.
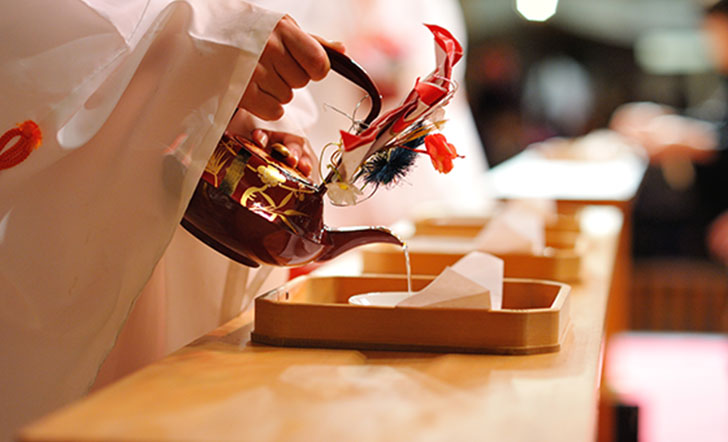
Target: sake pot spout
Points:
(338, 241)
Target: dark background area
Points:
(597, 61)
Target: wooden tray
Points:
(471, 227)
(313, 312)
(562, 231)
(554, 264)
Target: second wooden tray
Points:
(563, 232)
(553, 264)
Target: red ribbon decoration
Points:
(29, 139)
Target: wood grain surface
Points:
(223, 387)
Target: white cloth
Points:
(188, 292)
(184, 299)
(131, 98)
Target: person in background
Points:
(668, 137)
(111, 114)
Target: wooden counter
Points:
(222, 387)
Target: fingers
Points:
(290, 60)
(260, 137)
(290, 72)
(260, 103)
(294, 154)
(301, 151)
(270, 82)
(292, 149)
(297, 158)
(305, 166)
(305, 49)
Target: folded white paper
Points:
(475, 281)
(545, 208)
(518, 227)
(513, 230)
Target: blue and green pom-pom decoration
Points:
(387, 167)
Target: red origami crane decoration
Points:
(418, 115)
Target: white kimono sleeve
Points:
(131, 97)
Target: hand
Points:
(664, 135)
(631, 119)
(718, 237)
(297, 152)
(294, 149)
(290, 60)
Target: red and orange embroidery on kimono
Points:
(27, 137)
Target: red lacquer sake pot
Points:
(255, 209)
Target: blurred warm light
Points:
(536, 10)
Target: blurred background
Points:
(540, 68)
(544, 68)
(559, 68)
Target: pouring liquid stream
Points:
(408, 267)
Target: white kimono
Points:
(131, 97)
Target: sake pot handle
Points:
(349, 69)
